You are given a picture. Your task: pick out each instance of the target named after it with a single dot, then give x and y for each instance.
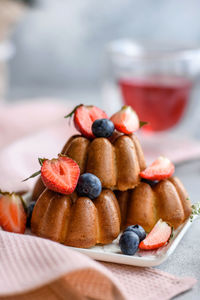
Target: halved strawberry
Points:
(60, 174)
(84, 116)
(126, 120)
(161, 168)
(158, 236)
(12, 213)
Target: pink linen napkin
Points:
(34, 267)
(39, 268)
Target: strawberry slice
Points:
(84, 116)
(161, 168)
(158, 236)
(126, 120)
(60, 174)
(12, 213)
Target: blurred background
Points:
(60, 44)
(60, 49)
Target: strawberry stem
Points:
(73, 111)
(143, 123)
(5, 193)
(61, 155)
(41, 160)
(32, 176)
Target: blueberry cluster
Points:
(130, 239)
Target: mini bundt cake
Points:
(116, 161)
(39, 187)
(145, 205)
(77, 221)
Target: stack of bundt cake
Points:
(131, 193)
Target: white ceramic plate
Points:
(112, 253)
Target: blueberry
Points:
(89, 185)
(152, 183)
(129, 242)
(139, 230)
(103, 128)
(29, 213)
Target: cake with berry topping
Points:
(99, 184)
(77, 221)
(116, 158)
(151, 201)
(73, 209)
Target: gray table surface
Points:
(185, 261)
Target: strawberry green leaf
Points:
(5, 193)
(32, 176)
(41, 160)
(142, 123)
(61, 155)
(73, 111)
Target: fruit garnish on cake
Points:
(161, 168)
(89, 186)
(84, 116)
(99, 185)
(126, 120)
(111, 154)
(59, 174)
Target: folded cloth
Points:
(35, 268)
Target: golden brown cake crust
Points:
(141, 208)
(183, 196)
(123, 200)
(101, 161)
(50, 214)
(168, 200)
(127, 163)
(38, 189)
(77, 221)
(109, 217)
(117, 161)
